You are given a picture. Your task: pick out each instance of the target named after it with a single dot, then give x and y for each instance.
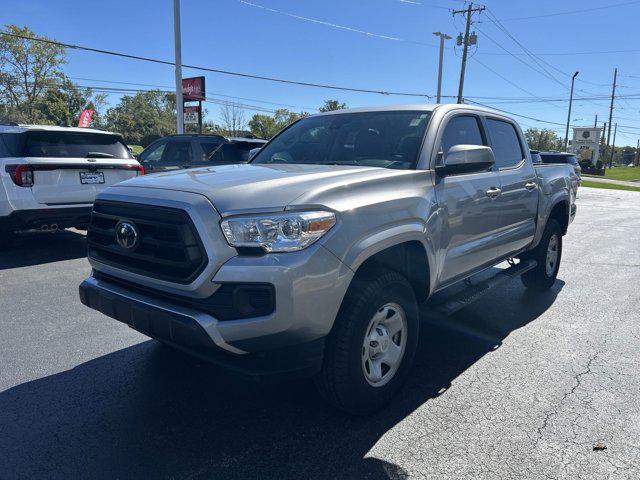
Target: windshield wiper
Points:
(350, 162)
(99, 155)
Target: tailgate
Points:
(71, 181)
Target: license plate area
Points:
(91, 178)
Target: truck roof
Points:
(21, 128)
(427, 107)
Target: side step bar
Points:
(469, 295)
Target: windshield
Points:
(373, 139)
(559, 158)
(234, 152)
(73, 145)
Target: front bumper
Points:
(195, 332)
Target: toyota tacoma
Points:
(314, 258)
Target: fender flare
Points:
(391, 236)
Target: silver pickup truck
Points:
(314, 258)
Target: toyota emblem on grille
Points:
(127, 235)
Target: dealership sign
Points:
(191, 114)
(586, 143)
(193, 89)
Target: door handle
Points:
(530, 185)
(493, 192)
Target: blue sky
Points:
(331, 45)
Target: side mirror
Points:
(466, 159)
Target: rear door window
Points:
(236, 152)
(153, 154)
(208, 148)
(177, 154)
(505, 143)
(73, 145)
(559, 158)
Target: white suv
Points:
(50, 176)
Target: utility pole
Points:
(613, 146)
(637, 162)
(595, 124)
(443, 37)
(566, 132)
(177, 39)
(465, 42)
(613, 96)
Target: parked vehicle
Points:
(177, 152)
(49, 176)
(562, 157)
(535, 156)
(313, 259)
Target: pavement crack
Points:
(578, 381)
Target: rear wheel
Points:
(371, 347)
(547, 254)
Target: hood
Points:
(245, 187)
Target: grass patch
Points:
(610, 186)
(621, 173)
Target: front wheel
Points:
(371, 347)
(547, 254)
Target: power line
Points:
(320, 22)
(211, 93)
(497, 23)
(539, 61)
(216, 70)
(517, 114)
(553, 54)
(337, 25)
(573, 12)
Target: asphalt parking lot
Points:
(519, 385)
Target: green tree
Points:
(331, 105)
(543, 139)
(263, 126)
(62, 105)
(143, 117)
(266, 126)
(28, 69)
(33, 88)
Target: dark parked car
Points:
(562, 157)
(176, 152)
(535, 156)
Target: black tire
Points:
(539, 278)
(342, 380)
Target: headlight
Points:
(280, 232)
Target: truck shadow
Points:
(149, 412)
(39, 248)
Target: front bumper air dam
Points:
(196, 332)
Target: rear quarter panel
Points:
(558, 183)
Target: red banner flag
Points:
(85, 118)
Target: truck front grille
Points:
(167, 248)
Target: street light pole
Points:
(443, 37)
(566, 132)
(177, 38)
